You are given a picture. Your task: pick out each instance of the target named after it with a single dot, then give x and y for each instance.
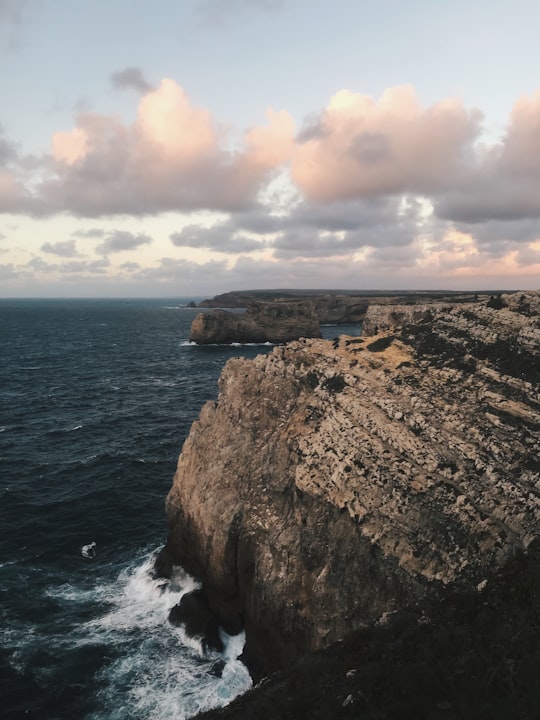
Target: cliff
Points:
(332, 483)
(332, 307)
(262, 322)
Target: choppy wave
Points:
(159, 673)
(88, 453)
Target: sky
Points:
(179, 148)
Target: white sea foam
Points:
(160, 673)
(261, 344)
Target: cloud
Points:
(12, 16)
(180, 271)
(219, 237)
(63, 248)
(503, 184)
(8, 150)
(347, 228)
(312, 230)
(121, 240)
(90, 233)
(173, 157)
(14, 197)
(131, 78)
(9, 271)
(93, 267)
(66, 268)
(360, 147)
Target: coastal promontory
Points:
(333, 485)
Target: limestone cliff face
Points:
(330, 484)
(262, 322)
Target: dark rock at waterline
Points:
(164, 564)
(194, 614)
(217, 668)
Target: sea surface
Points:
(96, 399)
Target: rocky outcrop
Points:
(334, 482)
(262, 322)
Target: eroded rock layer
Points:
(333, 482)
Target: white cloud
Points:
(173, 157)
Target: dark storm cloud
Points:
(121, 240)
(131, 78)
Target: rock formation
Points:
(332, 307)
(334, 482)
(262, 322)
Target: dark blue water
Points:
(96, 398)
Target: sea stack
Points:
(274, 322)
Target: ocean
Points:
(96, 399)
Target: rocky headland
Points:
(332, 307)
(261, 322)
(334, 486)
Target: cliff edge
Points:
(332, 483)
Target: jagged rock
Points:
(193, 613)
(332, 483)
(262, 322)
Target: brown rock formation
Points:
(329, 485)
(332, 307)
(262, 322)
